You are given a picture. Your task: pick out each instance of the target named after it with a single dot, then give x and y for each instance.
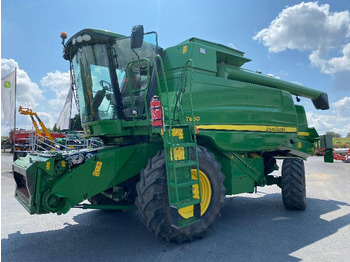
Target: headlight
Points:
(79, 39)
(86, 37)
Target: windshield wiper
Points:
(138, 58)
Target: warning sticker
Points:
(48, 165)
(178, 132)
(97, 170)
(179, 154)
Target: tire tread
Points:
(293, 184)
(153, 206)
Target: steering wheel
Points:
(105, 85)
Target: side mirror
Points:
(136, 39)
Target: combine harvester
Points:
(182, 128)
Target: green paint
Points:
(199, 84)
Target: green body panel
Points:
(235, 104)
(246, 119)
(117, 128)
(76, 182)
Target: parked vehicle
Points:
(182, 128)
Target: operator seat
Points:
(138, 98)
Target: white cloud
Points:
(334, 64)
(342, 108)
(28, 92)
(59, 83)
(49, 119)
(30, 95)
(338, 122)
(232, 45)
(312, 27)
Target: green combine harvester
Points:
(182, 127)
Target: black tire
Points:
(152, 199)
(293, 184)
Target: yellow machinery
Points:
(28, 111)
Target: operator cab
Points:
(111, 73)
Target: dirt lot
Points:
(252, 227)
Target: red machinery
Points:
(23, 135)
(345, 158)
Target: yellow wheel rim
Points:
(187, 212)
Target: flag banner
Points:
(8, 97)
(63, 120)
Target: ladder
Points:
(181, 154)
(181, 159)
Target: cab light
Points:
(79, 39)
(86, 37)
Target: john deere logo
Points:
(7, 84)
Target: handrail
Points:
(190, 61)
(131, 92)
(41, 143)
(165, 82)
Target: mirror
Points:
(136, 38)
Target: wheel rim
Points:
(187, 212)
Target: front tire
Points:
(293, 184)
(153, 205)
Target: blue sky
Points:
(311, 50)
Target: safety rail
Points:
(132, 92)
(160, 60)
(35, 143)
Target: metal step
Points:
(169, 145)
(183, 204)
(184, 183)
(182, 163)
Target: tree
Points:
(75, 123)
(348, 135)
(333, 134)
(55, 129)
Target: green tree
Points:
(333, 134)
(348, 135)
(55, 129)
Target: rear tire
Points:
(153, 205)
(293, 184)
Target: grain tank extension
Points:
(182, 127)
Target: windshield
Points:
(95, 87)
(125, 55)
(91, 70)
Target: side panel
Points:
(238, 116)
(57, 183)
(239, 178)
(108, 168)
